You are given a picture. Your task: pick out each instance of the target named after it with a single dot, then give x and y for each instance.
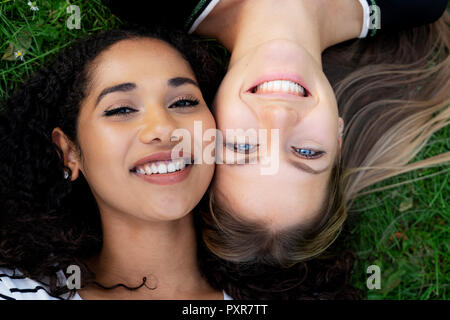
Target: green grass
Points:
(45, 33)
(416, 267)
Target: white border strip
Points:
(203, 15)
(366, 13)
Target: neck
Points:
(315, 25)
(163, 252)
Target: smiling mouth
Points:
(279, 87)
(161, 167)
(164, 172)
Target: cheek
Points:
(208, 120)
(321, 125)
(324, 127)
(226, 104)
(232, 113)
(103, 147)
(204, 143)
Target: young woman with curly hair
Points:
(88, 177)
(349, 112)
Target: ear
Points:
(71, 158)
(340, 131)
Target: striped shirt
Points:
(14, 286)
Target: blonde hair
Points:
(393, 94)
(412, 80)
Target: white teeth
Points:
(292, 87)
(179, 163)
(171, 167)
(285, 86)
(162, 168)
(301, 90)
(277, 85)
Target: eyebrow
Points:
(179, 81)
(123, 87)
(304, 167)
(129, 86)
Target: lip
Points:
(280, 76)
(167, 178)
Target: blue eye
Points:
(123, 110)
(242, 147)
(308, 153)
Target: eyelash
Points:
(297, 151)
(120, 111)
(193, 102)
(126, 110)
(317, 154)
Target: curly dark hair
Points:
(47, 222)
(317, 279)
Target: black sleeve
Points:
(404, 14)
(395, 14)
(152, 13)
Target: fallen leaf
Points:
(406, 204)
(24, 39)
(9, 53)
(22, 44)
(398, 235)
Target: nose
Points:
(277, 120)
(278, 117)
(157, 126)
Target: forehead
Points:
(137, 58)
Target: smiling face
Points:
(141, 90)
(280, 86)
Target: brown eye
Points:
(123, 110)
(185, 103)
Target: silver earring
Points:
(66, 174)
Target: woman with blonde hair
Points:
(349, 112)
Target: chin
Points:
(171, 213)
